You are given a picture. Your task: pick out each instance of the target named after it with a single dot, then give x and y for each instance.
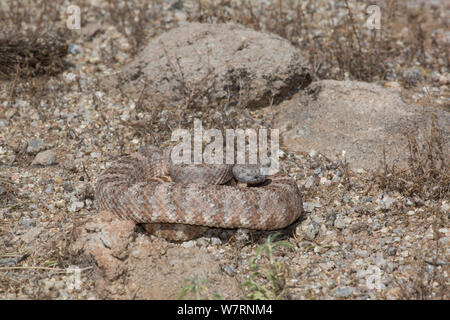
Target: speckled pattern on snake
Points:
(139, 187)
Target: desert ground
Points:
(358, 91)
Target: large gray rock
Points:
(360, 118)
(199, 64)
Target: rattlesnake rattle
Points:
(179, 202)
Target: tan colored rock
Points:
(131, 265)
(362, 119)
(200, 64)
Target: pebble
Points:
(188, 244)
(76, 206)
(216, 241)
(412, 76)
(229, 269)
(74, 49)
(325, 181)
(45, 158)
(340, 221)
(309, 229)
(242, 235)
(330, 218)
(203, 241)
(310, 181)
(309, 206)
(34, 145)
(27, 222)
(343, 292)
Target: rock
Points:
(27, 222)
(45, 158)
(76, 206)
(412, 76)
(343, 292)
(128, 265)
(35, 145)
(309, 206)
(216, 241)
(242, 235)
(340, 222)
(385, 203)
(394, 293)
(31, 234)
(229, 270)
(309, 182)
(361, 118)
(308, 229)
(220, 61)
(188, 244)
(330, 218)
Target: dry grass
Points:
(427, 175)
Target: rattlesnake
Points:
(139, 187)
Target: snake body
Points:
(139, 187)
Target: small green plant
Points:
(266, 281)
(197, 287)
(194, 285)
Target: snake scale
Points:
(139, 187)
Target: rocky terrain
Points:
(364, 126)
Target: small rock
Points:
(69, 77)
(60, 203)
(330, 217)
(188, 244)
(385, 203)
(34, 145)
(31, 234)
(309, 206)
(344, 292)
(310, 181)
(216, 241)
(229, 269)
(429, 234)
(412, 76)
(443, 80)
(392, 85)
(367, 199)
(340, 222)
(242, 235)
(394, 293)
(67, 186)
(204, 241)
(76, 206)
(45, 158)
(74, 49)
(27, 222)
(308, 229)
